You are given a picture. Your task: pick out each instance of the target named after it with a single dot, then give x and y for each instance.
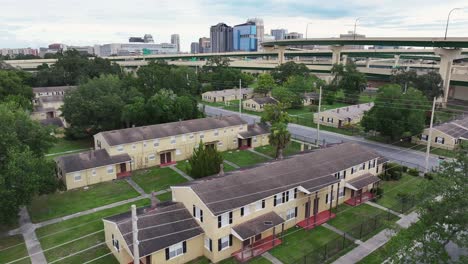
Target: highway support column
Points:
(336, 54)
(446, 62)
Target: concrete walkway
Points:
(260, 154)
(232, 164)
(30, 239)
(135, 186)
(183, 174)
(342, 233)
(271, 258)
(384, 208)
(67, 152)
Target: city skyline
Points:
(39, 24)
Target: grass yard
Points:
(165, 196)
(350, 218)
(56, 234)
(12, 248)
(184, 166)
(59, 204)
(422, 148)
(298, 243)
(407, 184)
(293, 148)
(243, 158)
(156, 179)
(65, 145)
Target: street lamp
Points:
(355, 23)
(307, 29)
(448, 19)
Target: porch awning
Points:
(361, 181)
(166, 150)
(256, 226)
(254, 130)
(211, 142)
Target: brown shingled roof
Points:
(90, 159)
(135, 134)
(258, 225)
(265, 100)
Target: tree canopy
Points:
(282, 72)
(205, 161)
(395, 114)
(348, 79)
(217, 73)
(279, 135)
(265, 83)
(14, 87)
(430, 84)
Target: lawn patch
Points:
(243, 158)
(407, 184)
(184, 166)
(156, 179)
(70, 146)
(292, 148)
(12, 248)
(56, 234)
(167, 196)
(59, 204)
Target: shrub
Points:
(205, 161)
(429, 175)
(313, 108)
(413, 172)
(377, 192)
(404, 168)
(393, 172)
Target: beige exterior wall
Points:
(194, 250)
(217, 96)
(123, 255)
(251, 105)
(450, 142)
(324, 116)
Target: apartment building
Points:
(227, 95)
(257, 104)
(51, 91)
(47, 102)
(158, 145)
(310, 98)
(343, 116)
(243, 213)
(446, 136)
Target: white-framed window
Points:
(156, 143)
(340, 174)
(224, 219)
(291, 194)
(151, 157)
(120, 148)
(354, 169)
(424, 137)
(245, 211)
(255, 139)
(77, 176)
(234, 141)
(178, 152)
(291, 213)
(363, 166)
(201, 135)
(144, 144)
(173, 140)
(327, 198)
(216, 132)
(278, 199)
(259, 205)
(330, 119)
(439, 140)
(240, 128)
(341, 192)
(133, 146)
(176, 250)
(110, 169)
(191, 136)
(115, 243)
(208, 244)
(220, 144)
(224, 243)
(183, 138)
(93, 172)
(372, 163)
(198, 213)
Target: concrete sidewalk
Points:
(260, 154)
(384, 208)
(33, 245)
(232, 164)
(183, 174)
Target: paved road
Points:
(409, 157)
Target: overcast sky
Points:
(33, 23)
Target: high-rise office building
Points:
(279, 33)
(175, 39)
(260, 31)
(267, 38)
(148, 38)
(245, 37)
(194, 47)
(221, 38)
(204, 45)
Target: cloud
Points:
(87, 22)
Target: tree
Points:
(285, 96)
(430, 84)
(205, 161)
(282, 72)
(265, 83)
(24, 171)
(13, 86)
(443, 216)
(279, 134)
(275, 114)
(404, 78)
(349, 79)
(218, 74)
(396, 115)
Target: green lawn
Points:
(404, 144)
(56, 234)
(165, 196)
(59, 204)
(156, 179)
(243, 158)
(12, 248)
(64, 145)
(184, 166)
(293, 148)
(407, 184)
(297, 243)
(349, 219)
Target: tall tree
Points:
(265, 83)
(279, 135)
(205, 161)
(349, 79)
(285, 96)
(430, 84)
(396, 115)
(282, 72)
(13, 86)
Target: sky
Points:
(32, 23)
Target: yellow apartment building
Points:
(243, 213)
(227, 95)
(343, 116)
(257, 104)
(446, 136)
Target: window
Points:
(178, 152)
(224, 219)
(327, 196)
(120, 148)
(156, 143)
(191, 135)
(216, 132)
(291, 213)
(354, 169)
(234, 141)
(240, 128)
(176, 250)
(115, 243)
(220, 144)
(372, 164)
(173, 140)
(277, 200)
(341, 192)
(110, 169)
(259, 205)
(292, 194)
(255, 139)
(183, 138)
(245, 211)
(198, 213)
(439, 140)
(144, 144)
(363, 166)
(330, 119)
(424, 137)
(202, 135)
(224, 242)
(151, 157)
(93, 172)
(208, 244)
(98, 143)
(77, 176)
(340, 174)
(133, 146)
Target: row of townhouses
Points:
(242, 214)
(447, 135)
(118, 152)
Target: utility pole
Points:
(318, 116)
(136, 252)
(429, 140)
(240, 97)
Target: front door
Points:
(246, 243)
(123, 167)
(165, 157)
(258, 237)
(307, 209)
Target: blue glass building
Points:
(245, 37)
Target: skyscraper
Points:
(221, 38)
(175, 39)
(279, 33)
(204, 45)
(260, 31)
(148, 38)
(194, 47)
(245, 37)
